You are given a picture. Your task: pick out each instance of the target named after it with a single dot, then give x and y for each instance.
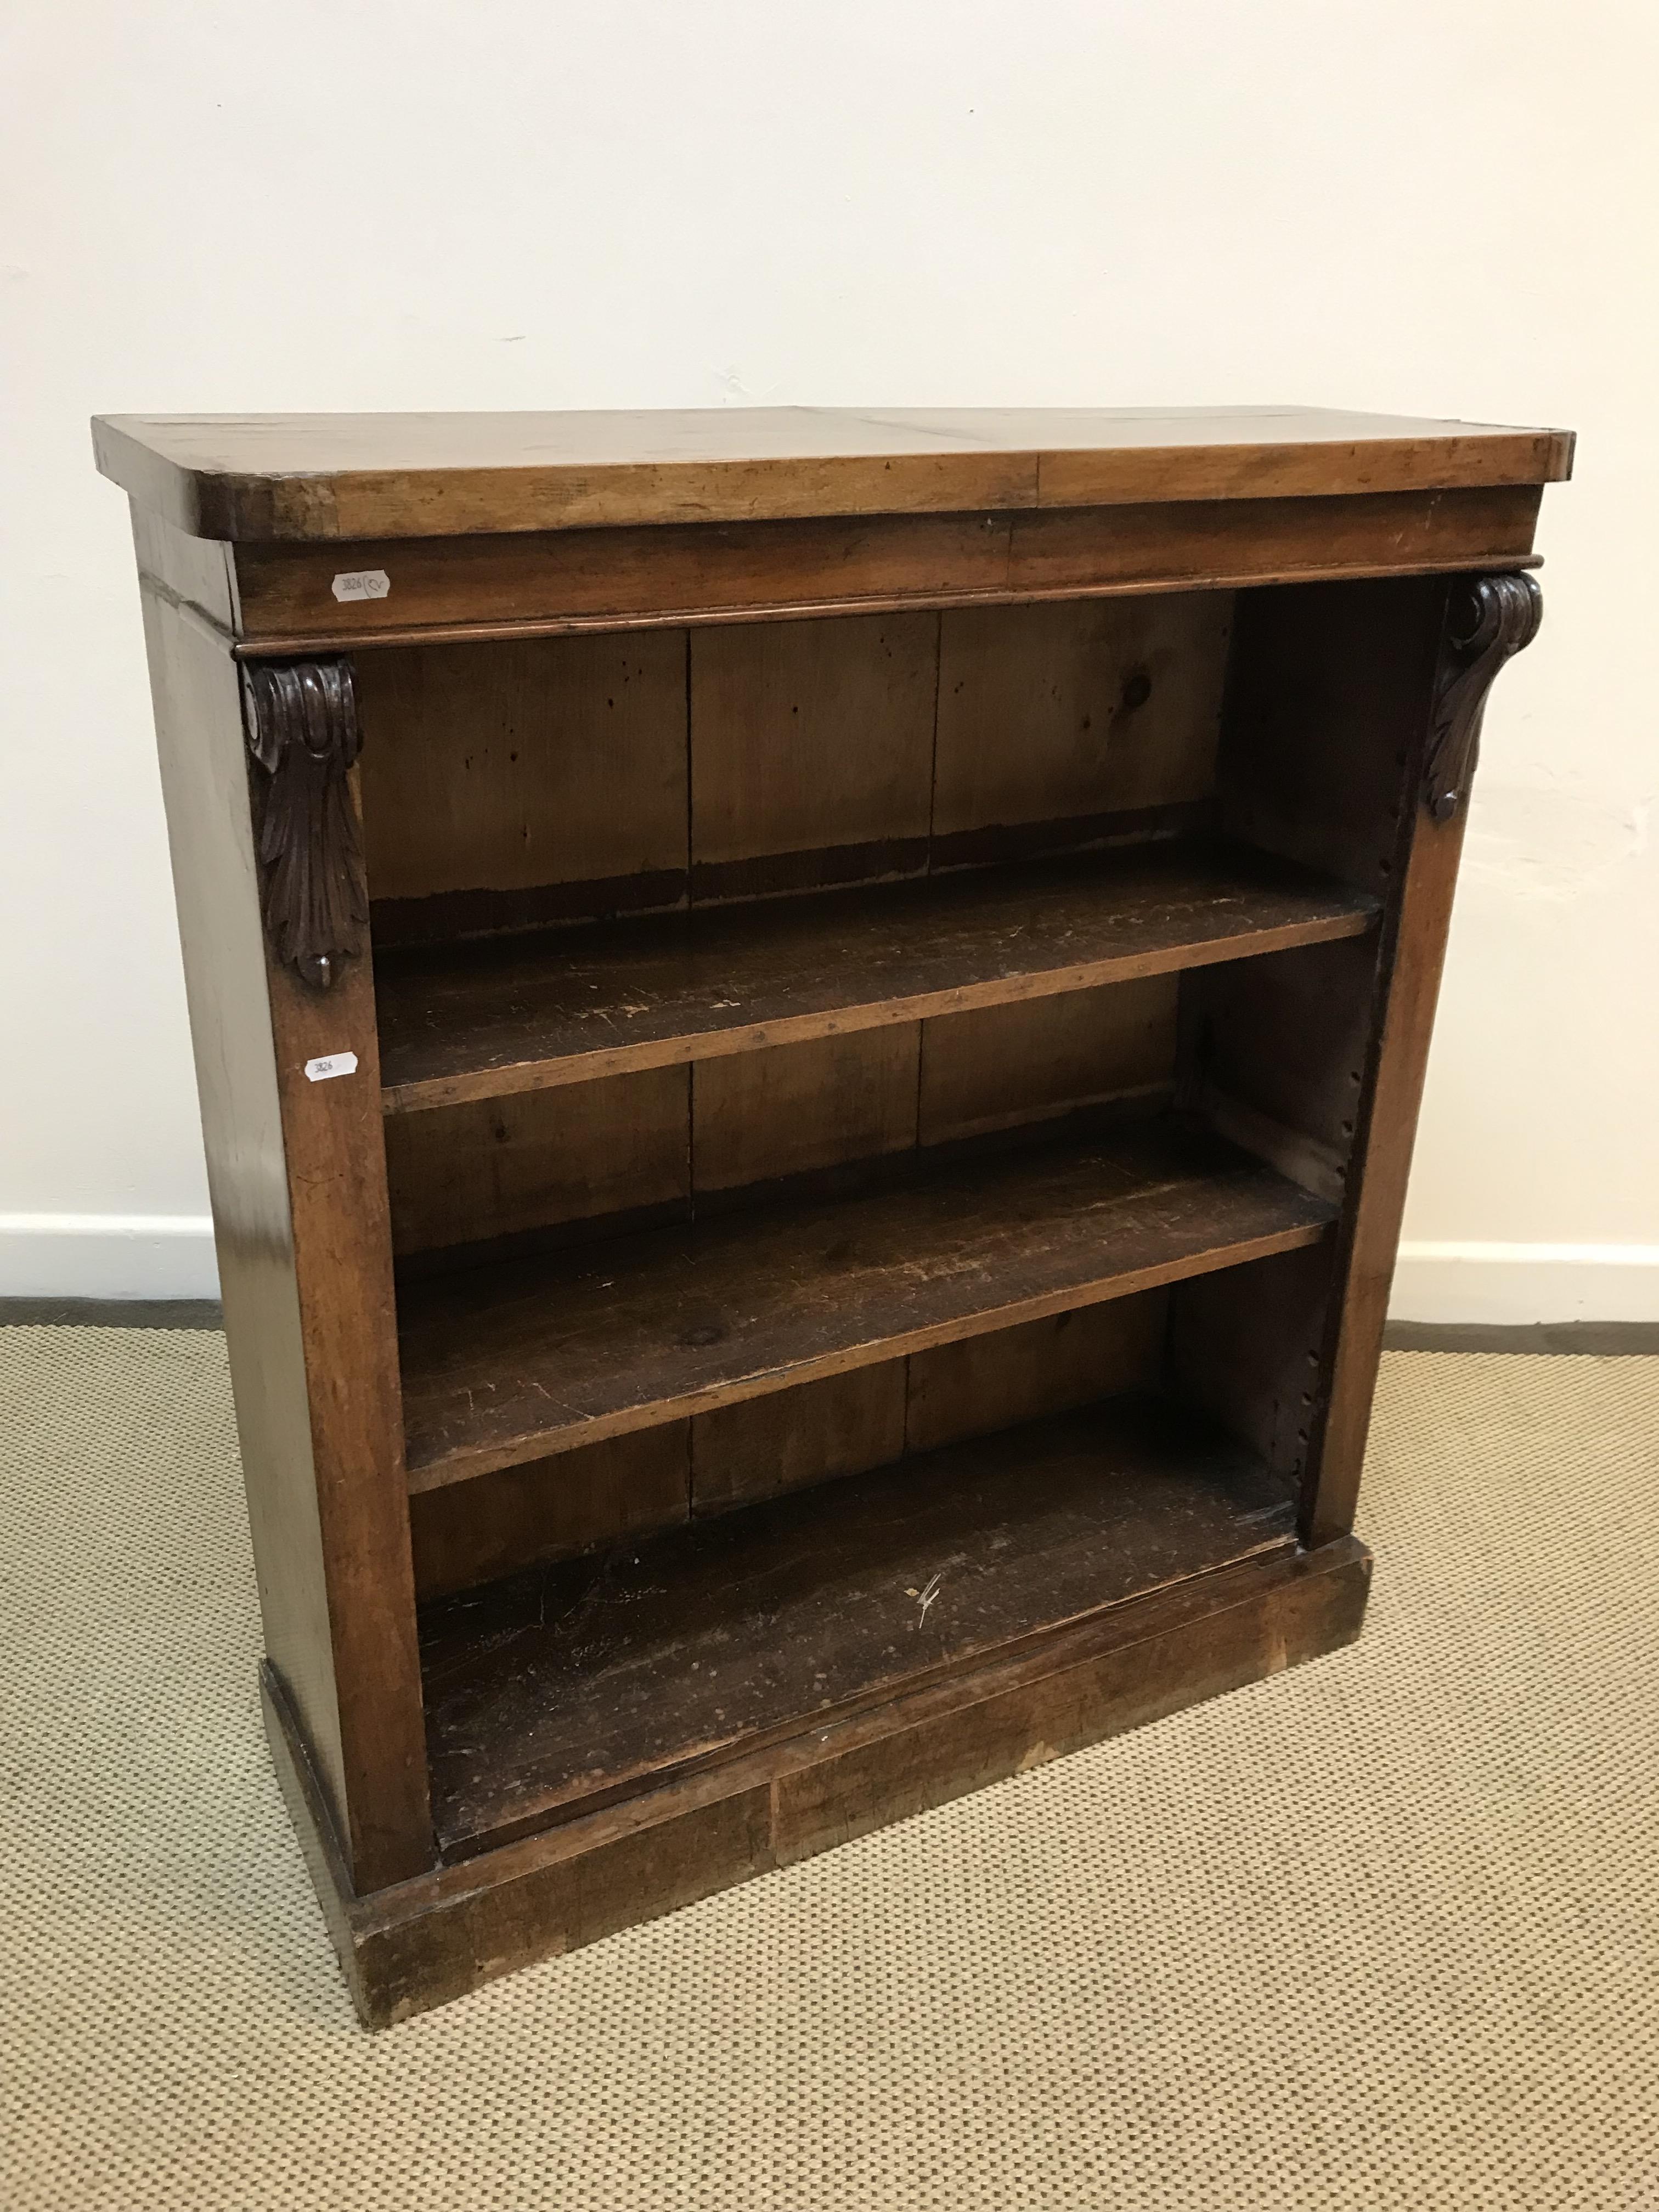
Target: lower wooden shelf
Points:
(506, 1362)
(562, 1689)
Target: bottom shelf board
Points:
(566, 1687)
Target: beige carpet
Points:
(1382, 1932)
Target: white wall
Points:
(506, 204)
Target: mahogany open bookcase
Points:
(809, 1028)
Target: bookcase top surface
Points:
(312, 478)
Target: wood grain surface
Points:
(1067, 710)
(507, 1363)
(556, 1688)
(758, 1117)
(762, 1447)
(493, 780)
(1009, 1068)
(1053, 1366)
(327, 477)
(490, 1168)
(477, 1532)
(483, 589)
(448, 1931)
(811, 738)
(297, 1173)
(480, 1020)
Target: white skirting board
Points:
(170, 1256)
(107, 1256)
(1514, 1284)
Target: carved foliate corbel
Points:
(302, 733)
(1490, 619)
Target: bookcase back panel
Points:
(551, 1508)
(515, 783)
(725, 764)
(812, 752)
(1000, 1067)
(762, 1447)
(1057, 719)
(1047, 1366)
(789, 1110)
(497, 777)
(468, 1176)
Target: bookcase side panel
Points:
(194, 687)
(1328, 700)
(1339, 703)
(297, 1180)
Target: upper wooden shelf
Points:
(317, 478)
(480, 1020)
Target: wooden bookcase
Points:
(808, 1028)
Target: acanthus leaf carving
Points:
(302, 731)
(1489, 620)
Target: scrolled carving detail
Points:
(302, 731)
(1490, 619)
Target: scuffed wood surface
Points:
(502, 1363)
(322, 477)
(558, 581)
(560, 1686)
(482, 1019)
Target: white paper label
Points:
(363, 584)
(336, 1063)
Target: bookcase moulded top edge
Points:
(321, 479)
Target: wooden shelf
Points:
(554, 1690)
(481, 1019)
(504, 1363)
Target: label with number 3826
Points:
(362, 584)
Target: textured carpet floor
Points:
(1382, 1932)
